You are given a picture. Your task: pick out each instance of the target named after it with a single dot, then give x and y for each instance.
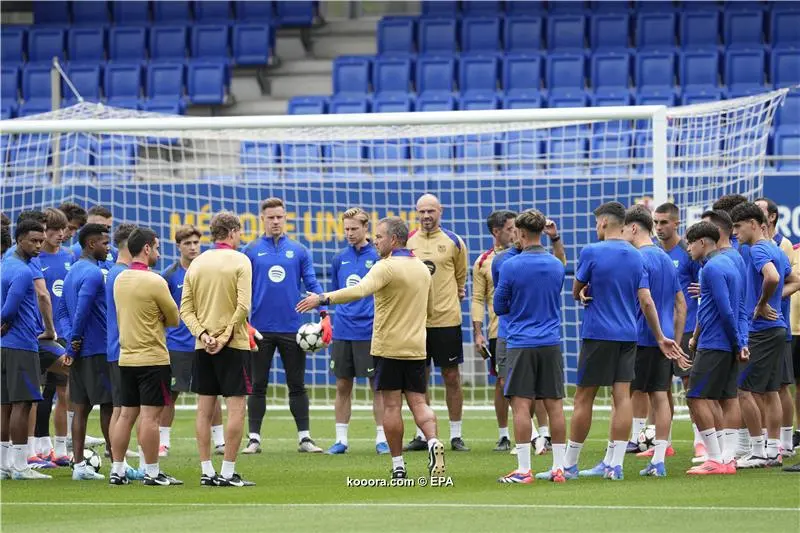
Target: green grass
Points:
(309, 493)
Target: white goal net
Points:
(164, 171)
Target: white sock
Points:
(142, 462)
(31, 446)
(19, 457)
(534, 431)
(573, 453)
(207, 468)
(659, 452)
(610, 453)
(164, 436)
(151, 470)
(786, 438)
(523, 457)
(773, 447)
(619, 453)
(697, 438)
(503, 432)
(305, 434)
(60, 446)
(5, 448)
(341, 433)
(420, 434)
(764, 433)
(218, 435)
(743, 440)
(380, 436)
(254, 436)
(709, 437)
(118, 468)
(559, 450)
(637, 427)
(721, 441)
(70, 416)
(227, 469)
(729, 445)
(431, 442)
(46, 444)
(398, 462)
(758, 446)
(544, 431)
(455, 429)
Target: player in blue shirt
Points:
(609, 280)
(76, 219)
(351, 355)
(100, 215)
(653, 371)
(19, 328)
(533, 336)
(280, 264)
(727, 203)
(83, 305)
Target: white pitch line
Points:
(372, 439)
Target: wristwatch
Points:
(323, 300)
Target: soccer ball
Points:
(309, 337)
(93, 460)
(647, 438)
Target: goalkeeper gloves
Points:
(253, 335)
(327, 329)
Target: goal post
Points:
(162, 171)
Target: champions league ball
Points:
(309, 337)
(93, 460)
(647, 438)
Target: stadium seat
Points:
(206, 83)
(699, 29)
(444, 8)
(530, 7)
(124, 102)
(783, 27)
(164, 107)
(522, 74)
(695, 5)
(248, 11)
(612, 148)
(611, 98)
(787, 143)
(434, 156)
(131, 13)
(44, 44)
(655, 31)
(176, 12)
(569, 151)
(251, 44)
(436, 36)
(389, 157)
(86, 79)
(523, 34)
(345, 158)
(210, 41)
(45, 13)
(308, 105)
(566, 32)
(565, 70)
(392, 103)
(7, 111)
(656, 96)
(34, 107)
(295, 13)
(480, 150)
(77, 157)
(127, 44)
(655, 69)
(557, 7)
(789, 113)
(479, 100)
(90, 13)
(391, 75)
(611, 69)
(480, 34)
(481, 8)
(521, 151)
(744, 28)
(343, 104)
(785, 67)
(435, 74)
(351, 75)
(522, 100)
(396, 35)
(477, 74)
(436, 102)
(212, 12)
(116, 159)
(86, 44)
(745, 68)
(609, 31)
(701, 95)
(165, 81)
(699, 69)
(567, 98)
(122, 80)
(259, 160)
(9, 84)
(168, 42)
(36, 83)
(303, 160)
(12, 45)
(655, 6)
(29, 158)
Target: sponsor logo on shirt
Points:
(431, 266)
(58, 286)
(289, 254)
(276, 274)
(352, 279)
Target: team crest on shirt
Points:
(289, 254)
(676, 263)
(109, 257)
(368, 263)
(442, 248)
(67, 265)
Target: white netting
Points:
(164, 177)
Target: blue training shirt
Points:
(19, 305)
(615, 272)
(759, 254)
(353, 321)
(278, 270)
(83, 304)
(688, 273)
(112, 326)
(720, 300)
(497, 262)
(54, 268)
(529, 294)
(179, 339)
(663, 280)
(744, 316)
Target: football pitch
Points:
(298, 492)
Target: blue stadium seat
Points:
(523, 34)
(308, 105)
(435, 74)
(733, 5)
(567, 98)
(699, 69)
(7, 111)
(611, 69)
(611, 98)
(436, 102)
(116, 159)
(656, 96)
(396, 35)
(34, 107)
(122, 80)
(89, 13)
(436, 36)
(351, 74)
(392, 103)
(481, 8)
(787, 143)
(163, 107)
(165, 81)
(12, 44)
(530, 7)
(168, 42)
(44, 44)
(434, 156)
(259, 160)
(556, 7)
(295, 13)
(612, 147)
(480, 150)
(522, 100)
(477, 74)
(50, 12)
(86, 79)
(609, 31)
(345, 158)
(36, 83)
(565, 70)
(29, 158)
(389, 157)
(521, 151)
(610, 6)
(127, 44)
(131, 12)
(478, 101)
(699, 29)
(391, 75)
(744, 28)
(9, 84)
(125, 103)
(704, 6)
(171, 12)
(522, 74)
(303, 160)
(785, 67)
(658, 6)
(251, 44)
(783, 27)
(210, 41)
(439, 9)
(655, 69)
(78, 155)
(248, 11)
(343, 104)
(86, 44)
(701, 95)
(206, 82)
(480, 34)
(745, 68)
(744, 90)
(571, 151)
(655, 31)
(566, 32)
(789, 113)
(212, 12)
